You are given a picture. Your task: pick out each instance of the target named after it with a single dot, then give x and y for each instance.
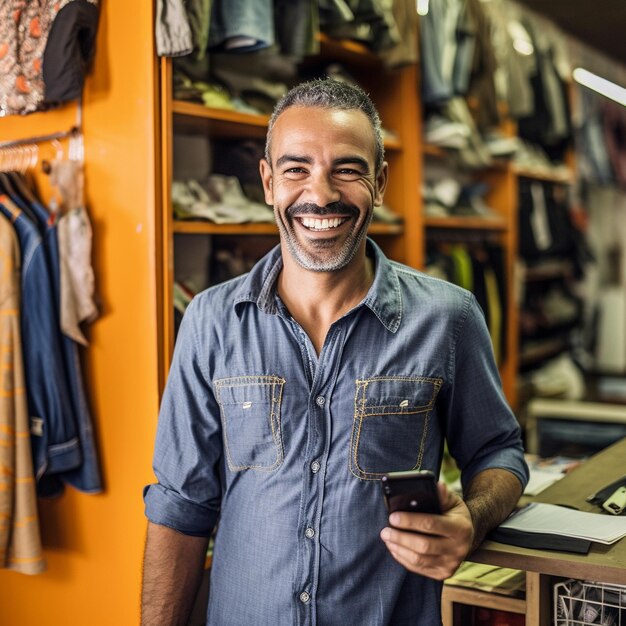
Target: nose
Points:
(322, 190)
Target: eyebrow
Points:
(292, 158)
(353, 160)
(348, 160)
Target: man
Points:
(294, 387)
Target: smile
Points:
(316, 224)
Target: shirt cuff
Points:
(167, 508)
(513, 462)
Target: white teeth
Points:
(324, 224)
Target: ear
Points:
(381, 184)
(265, 170)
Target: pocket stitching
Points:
(360, 414)
(264, 380)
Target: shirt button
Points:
(304, 597)
(315, 467)
(321, 400)
(310, 533)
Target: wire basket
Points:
(585, 603)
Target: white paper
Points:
(559, 520)
(540, 480)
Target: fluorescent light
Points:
(600, 85)
(422, 7)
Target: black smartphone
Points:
(414, 491)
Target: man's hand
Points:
(439, 543)
(432, 545)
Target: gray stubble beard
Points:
(313, 264)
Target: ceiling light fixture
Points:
(422, 7)
(600, 85)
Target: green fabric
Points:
(199, 18)
(462, 262)
(495, 312)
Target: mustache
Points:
(334, 208)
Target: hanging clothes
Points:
(61, 426)
(172, 29)
(549, 126)
(480, 269)
(513, 69)
(54, 435)
(86, 476)
(20, 542)
(77, 282)
(45, 48)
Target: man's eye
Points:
(295, 170)
(346, 172)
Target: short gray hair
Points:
(327, 93)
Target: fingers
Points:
(431, 545)
(432, 556)
(432, 566)
(419, 543)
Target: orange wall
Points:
(93, 544)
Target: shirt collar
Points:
(384, 298)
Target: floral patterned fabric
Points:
(45, 46)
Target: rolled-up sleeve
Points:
(188, 449)
(481, 430)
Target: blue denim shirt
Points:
(86, 476)
(287, 448)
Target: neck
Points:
(318, 299)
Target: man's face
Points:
(322, 184)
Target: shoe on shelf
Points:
(385, 215)
(442, 132)
(472, 202)
(500, 146)
(220, 200)
(444, 191)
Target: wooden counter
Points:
(603, 563)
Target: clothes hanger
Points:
(16, 197)
(29, 158)
(18, 158)
(22, 187)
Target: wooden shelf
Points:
(541, 351)
(548, 271)
(487, 600)
(550, 177)
(429, 149)
(504, 165)
(347, 51)
(193, 109)
(392, 143)
(208, 228)
(192, 117)
(470, 223)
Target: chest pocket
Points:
(250, 414)
(390, 427)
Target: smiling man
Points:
(295, 387)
